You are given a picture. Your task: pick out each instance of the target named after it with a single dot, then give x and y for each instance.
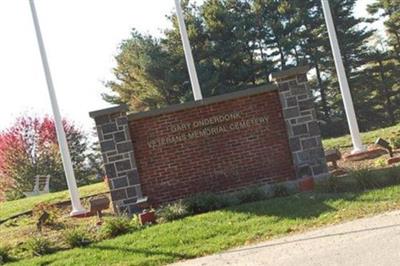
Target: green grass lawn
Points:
(368, 138)
(220, 230)
(10, 208)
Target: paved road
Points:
(369, 241)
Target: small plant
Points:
(13, 195)
(53, 213)
(380, 163)
(231, 199)
(205, 202)
(77, 237)
(334, 184)
(135, 223)
(115, 226)
(395, 139)
(280, 191)
(366, 179)
(251, 194)
(173, 211)
(4, 255)
(38, 246)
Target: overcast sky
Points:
(81, 38)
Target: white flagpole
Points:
(188, 53)
(344, 85)
(77, 208)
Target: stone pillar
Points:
(119, 159)
(301, 122)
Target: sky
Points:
(81, 39)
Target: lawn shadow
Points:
(304, 239)
(146, 252)
(298, 206)
(312, 205)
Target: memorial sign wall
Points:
(224, 143)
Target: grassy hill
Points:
(367, 137)
(8, 209)
(11, 208)
(216, 231)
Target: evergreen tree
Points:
(142, 75)
(389, 9)
(278, 23)
(236, 44)
(353, 42)
(313, 41)
(230, 28)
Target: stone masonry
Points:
(177, 151)
(301, 122)
(118, 158)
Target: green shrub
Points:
(115, 226)
(4, 255)
(366, 179)
(206, 202)
(173, 211)
(360, 180)
(330, 185)
(52, 211)
(333, 184)
(322, 186)
(38, 246)
(231, 199)
(135, 223)
(14, 195)
(77, 237)
(392, 175)
(280, 191)
(251, 194)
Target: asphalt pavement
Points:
(369, 241)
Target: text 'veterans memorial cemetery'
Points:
(254, 137)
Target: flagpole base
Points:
(358, 150)
(78, 213)
(365, 155)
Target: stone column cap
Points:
(290, 72)
(112, 110)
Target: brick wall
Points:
(251, 147)
(261, 135)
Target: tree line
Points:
(237, 44)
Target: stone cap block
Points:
(108, 111)
(292, 72)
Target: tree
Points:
(389, 9)
(30, 148)
(208, 75)
(278, 22)
(237, 44)
(143, 74)
(233, 45)
(312, 41)
(353, 41)
(382, 71)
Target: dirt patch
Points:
(346, 166)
